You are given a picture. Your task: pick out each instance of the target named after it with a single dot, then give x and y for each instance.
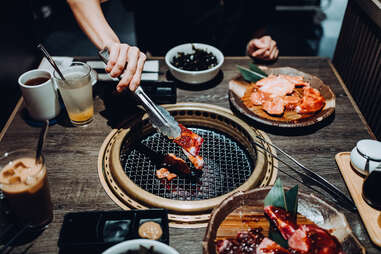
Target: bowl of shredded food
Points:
(194, 63)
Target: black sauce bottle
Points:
(371, 188)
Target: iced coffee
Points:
(24, 183)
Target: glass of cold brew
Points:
(76, 91)
(24, 183)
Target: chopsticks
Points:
(310, 178)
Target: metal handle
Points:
(313, 178)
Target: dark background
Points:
(300, 27)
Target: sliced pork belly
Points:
(177, 164)
(274, 106)
(312, 239)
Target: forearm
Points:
(90, 18)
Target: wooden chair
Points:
(358, 58)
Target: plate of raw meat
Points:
(285, 98)
(241, 224)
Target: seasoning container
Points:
(371, 188)
(366, 156)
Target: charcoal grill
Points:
(232, 163)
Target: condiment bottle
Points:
(371, 188)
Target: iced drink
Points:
(77, 92)
(25, 186)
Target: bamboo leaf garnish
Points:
(276, 196)
(256, 69)
(292, 200)
(249, 75)
(279, 198)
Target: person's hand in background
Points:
(263, 48)
(126, 61)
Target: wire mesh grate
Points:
(227, 166)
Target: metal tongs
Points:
(159, 116)
(310, 178)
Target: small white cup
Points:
(366, 156)
(41, 100)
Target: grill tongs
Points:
(159, 117)
(310, 178)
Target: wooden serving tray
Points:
(370, 216)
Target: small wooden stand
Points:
(370, 216)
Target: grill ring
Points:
(190, 114)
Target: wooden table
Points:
(71, 153)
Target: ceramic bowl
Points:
(366, 151)
(194, 77)
(134, 245)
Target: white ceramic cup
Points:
(41, 100)
(366, 156)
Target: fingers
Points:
(138, 74)
(267, 49)
(133, 55)
(118, 68)
(114, 53)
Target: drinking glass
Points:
(24, 183)
(76, 91)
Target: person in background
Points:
(233, 26)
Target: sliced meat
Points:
(296, 80)
(290, 102)
(274, 106)
(238, 87)
(311, 102)
(175, 163)
(197, 161)
(259, 97)
(267, 246)
(170, 176)
(162, 173)
(276, 86)
(313, 239)
(189, 141)
(282, 219)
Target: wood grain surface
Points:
(71, 153)
(370, 216)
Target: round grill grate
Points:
(227, 166)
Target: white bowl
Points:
(366, 150)
(134, 245)
(194, 77)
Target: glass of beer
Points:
(77, 93)
(24, 183)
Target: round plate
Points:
(248, 206)
(289, 119)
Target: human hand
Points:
(120, 55)
(263, 48)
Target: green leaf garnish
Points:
(256, 69)
(292, 200)
(249, 75)
(276, 196)
(279, 198)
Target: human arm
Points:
(263, 48)
(90, 18)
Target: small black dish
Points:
(95, 231)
